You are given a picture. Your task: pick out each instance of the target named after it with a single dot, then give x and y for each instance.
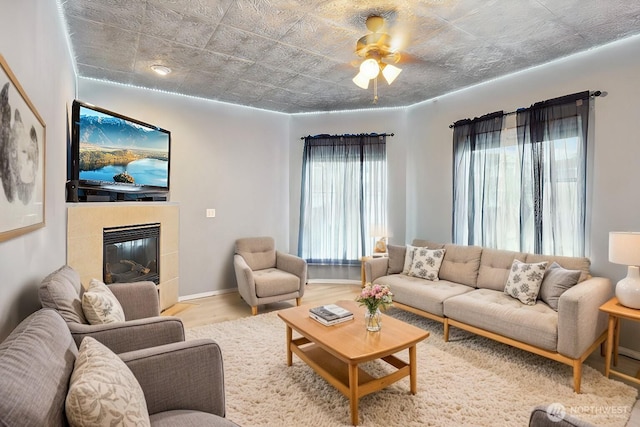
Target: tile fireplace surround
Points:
(85, 222)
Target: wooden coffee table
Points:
(335, 352)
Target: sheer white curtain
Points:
(479, 180)
(552, 147)
(344, 194)
(522, 186)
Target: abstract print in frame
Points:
(22, 154)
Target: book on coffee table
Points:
(330, 314)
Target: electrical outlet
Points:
(211, 213)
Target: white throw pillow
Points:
(100, 305)
(408, 258)
(524, 281)
(426, 263)
(103, 391)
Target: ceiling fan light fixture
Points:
(370, 68)
(160, 69)
(361, 80)
(390, 72)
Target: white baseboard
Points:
(228, 291)
(206, 294)
(629, 353)
(334, 281)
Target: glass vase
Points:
(373, 320)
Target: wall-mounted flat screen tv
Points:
(113, 152)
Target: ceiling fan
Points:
(379, 53)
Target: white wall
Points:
(33, 43)
(615, 173)
(230, 158)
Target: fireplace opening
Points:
(131, 253)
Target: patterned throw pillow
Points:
(524, 281)
(100, 305)
(426, 263)
(408, 259)
(103, 391)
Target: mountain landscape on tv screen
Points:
(118, 133)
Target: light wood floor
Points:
(230, 306)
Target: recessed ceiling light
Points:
(161, 69)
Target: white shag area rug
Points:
(468, 381)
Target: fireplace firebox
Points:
(131, 253)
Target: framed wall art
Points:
(22, 159)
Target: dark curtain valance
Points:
(345, 137)
(562, 100)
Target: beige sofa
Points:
(470, 295)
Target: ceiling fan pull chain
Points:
(375, 90)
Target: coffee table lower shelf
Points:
(349, 379)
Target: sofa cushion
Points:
(396, 258)
(103, 390)
(36, 361)
(495, 266)
(258, 252)
(571, 263)
(61, 290)
(524, 281)
(461, 264)
(494, 311)
(555, 282)
(271, 282)
(100, 305)
(426, 263)
(422, 294)
(187, 418)
(422, 243)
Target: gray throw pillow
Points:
(555, 282)
(396, 258)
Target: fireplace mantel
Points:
(86, 221)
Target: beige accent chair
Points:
(265, 275)
(143, 326)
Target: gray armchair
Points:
(265, 275)
(183, 382)
(143, 328)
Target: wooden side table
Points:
(365, 259)
(362, 275)
(617, 311)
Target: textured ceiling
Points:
(298, 55)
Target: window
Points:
(344, 194)
(520, 181)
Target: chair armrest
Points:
(246, 282)
(292, 264)
(138, 299)
(540, 418)
(121, 337)
(580, 322)
(187, 375)
(375, 268)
